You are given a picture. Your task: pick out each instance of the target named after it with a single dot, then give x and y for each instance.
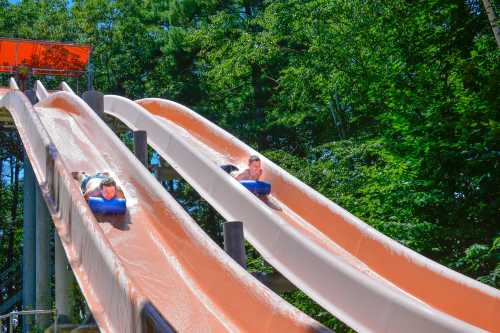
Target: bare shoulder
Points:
(245, 174)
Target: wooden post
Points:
(234, 242)
(141, 146)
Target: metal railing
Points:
(14, 317)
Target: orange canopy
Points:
(50, 58)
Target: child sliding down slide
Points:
(250, 179)
(102, 193)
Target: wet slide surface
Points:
(160, 254)
(459, 303)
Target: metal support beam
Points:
(234, 242)
(29, 243)
(141, 146)
(64, 280)
(95, 100)
(42, 259)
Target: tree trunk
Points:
(493, 20)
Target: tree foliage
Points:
(389, 108)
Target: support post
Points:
(42, 259)
(31, 94)
(141, 146)
(64, 280)
(234, 242)
(95, 99)
(29, 243)
(90, 76)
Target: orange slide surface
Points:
(339, 233)
(155, 256)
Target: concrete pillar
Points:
(42, 259)
(141, 147)
(64, 280)
(29, 244)
(95, 100)
(234, 242)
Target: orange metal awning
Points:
(49, 58)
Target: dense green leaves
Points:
(389, 108)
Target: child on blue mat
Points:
(99, 185)
(254, 170)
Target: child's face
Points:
(254, 167)
(108, 192)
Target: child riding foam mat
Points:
(257, 187)
(249, 178)
(102, 193)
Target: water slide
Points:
(366, 279)
(153, 269)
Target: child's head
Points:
(254, 164)
(108, 188)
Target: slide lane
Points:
(446, 291)
(154, 257)
(334, 277)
